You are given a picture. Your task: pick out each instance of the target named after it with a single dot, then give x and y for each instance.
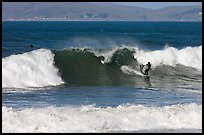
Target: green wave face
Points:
(83, 68)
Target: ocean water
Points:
(85, 77)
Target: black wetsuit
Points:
(147, 70)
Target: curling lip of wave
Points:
(188, 56)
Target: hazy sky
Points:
(156, 5)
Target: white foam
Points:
(128, 70)
(93, 119)
(189, 56)
(32, 69)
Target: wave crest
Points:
(189, 56)
(32, 69)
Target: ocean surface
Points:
(85, 77)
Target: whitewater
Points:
(32, 69)
(95, 119)
(84, 77)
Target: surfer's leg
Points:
(145, 72)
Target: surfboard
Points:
(130, 71)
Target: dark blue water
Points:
(18, 36)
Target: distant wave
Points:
(94, 67)
(110, 119)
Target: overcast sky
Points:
(156, 5)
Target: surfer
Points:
(146, 68)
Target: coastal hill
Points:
(86, 11)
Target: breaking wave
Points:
(94, 67)
(32, 69)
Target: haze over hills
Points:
(101, 11)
